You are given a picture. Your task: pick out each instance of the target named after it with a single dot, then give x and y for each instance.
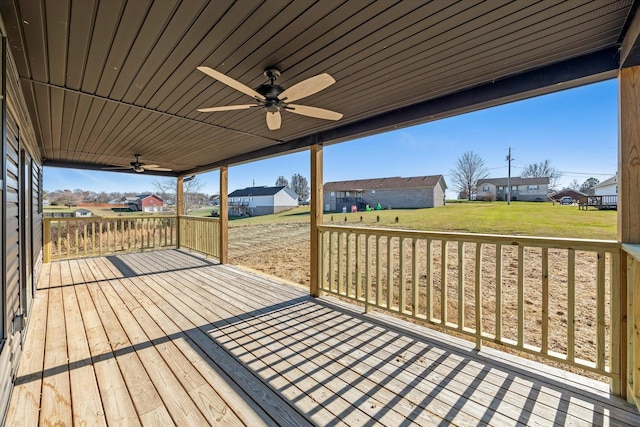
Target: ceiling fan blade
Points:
(318, 113)
(307, 87)
(231, 82)
(156, 168)
(226, 108)
(274, 120)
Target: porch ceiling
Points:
(105, 80)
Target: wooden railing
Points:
(82, 237)
(200, 234)
(598, 202)
(554, 298)
(632, 254)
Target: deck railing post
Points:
(628, 199)
(316, 219)
(223, 214)
(179, 208)
(46, 256)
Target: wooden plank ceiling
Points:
(105, 80)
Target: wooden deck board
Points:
(56, 391)
(85, 396)
(26, 396)
(165, 338)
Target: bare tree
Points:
(469, 169)
(282, 182)
(575, 185)
(192, 196)
(300, 186)
(66, 198)
(543, 170)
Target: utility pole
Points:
(509, 159)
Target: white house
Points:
(522, 189)
(608, 187)
(262, 200)
(82, 213)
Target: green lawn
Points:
(519, 218)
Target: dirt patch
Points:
(281, 250)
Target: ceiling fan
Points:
(275, 99)
(137, 166)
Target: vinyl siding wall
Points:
(19, 158)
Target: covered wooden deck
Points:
(166, 337)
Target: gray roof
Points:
(385, 183)
(515, 180)
(610, 181)
(263, 191)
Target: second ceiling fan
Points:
(274, 99)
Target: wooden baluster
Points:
(429, 288)
(461, 295)
(389, 272)
(520, 296)
(478, 296)
(571, 306)
(402, 285)
(415, 277)
(444, 262)
(378, 271)
(600, 300)
(498, 292)
(545, 301)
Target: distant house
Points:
(147, 203)
(394, 192)
(608, 187)
(257, 201)
(567, 192)
(82, 213)
(522, 189)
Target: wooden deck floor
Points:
(164, 338)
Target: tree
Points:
(469, 169)
(191, 195)
(587, 187)
(66, 198)
(300, 186)
(575, 185)
(543, 170)
(282, 182)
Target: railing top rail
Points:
(631, 249)
(98, 218)
(549, 242)
(200, 218)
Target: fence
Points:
(555, 298)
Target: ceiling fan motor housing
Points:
(271, 92)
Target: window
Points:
(333, 194)
(485, 188)
(373, 192)
(532, 188)
(514, 188)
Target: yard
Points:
(279, 245)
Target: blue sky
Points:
(576, 130)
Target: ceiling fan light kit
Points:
(274, 99)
